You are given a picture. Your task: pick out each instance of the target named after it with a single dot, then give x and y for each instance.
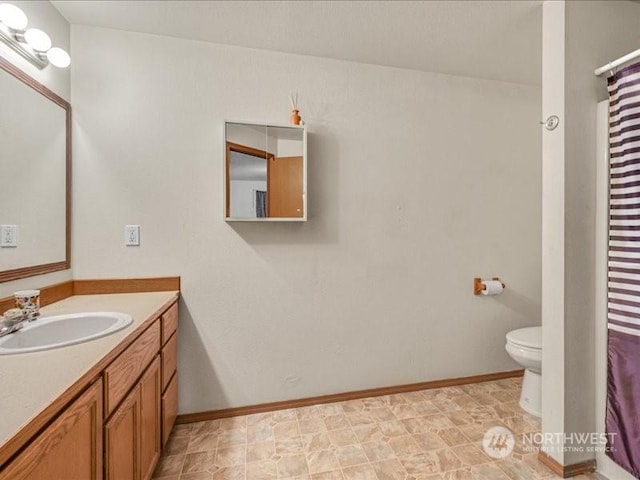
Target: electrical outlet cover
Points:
(8, 236)
(132, 235)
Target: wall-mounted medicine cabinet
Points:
(265, 172)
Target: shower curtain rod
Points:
(616, 63)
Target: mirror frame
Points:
(24, 272)
(228, 146)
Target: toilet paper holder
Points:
(478, 287)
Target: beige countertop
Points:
(29, 382)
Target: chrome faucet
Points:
(13, 324)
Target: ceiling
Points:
(497, 40)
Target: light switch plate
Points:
(132, 235)
(8, 236)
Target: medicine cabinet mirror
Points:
(265, 172)
(35, 168)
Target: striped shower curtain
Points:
(623, 371)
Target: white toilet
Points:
(525, 347)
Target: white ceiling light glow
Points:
(13, 17)
(37, 39)
(58, 57)
(33, 44)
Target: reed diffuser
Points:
(294, 119)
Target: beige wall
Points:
(417, 183)
(553, 223)
(42, 15)
(595, 32)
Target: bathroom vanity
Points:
(99, 409)
(102, 408)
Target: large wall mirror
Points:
(265, 172)
(35, 168)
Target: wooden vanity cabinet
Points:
(169, 371)
(135, 431)
(122, 373)
(169, 408)
(150, 419)
(70, 448)
(122, 440)
(132, 434)
(116, 428)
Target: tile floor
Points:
(426, 435)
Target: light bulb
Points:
(58, 57)
(37, 39)
(13, 17)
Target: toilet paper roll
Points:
(492, 287)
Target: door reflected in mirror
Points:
(265, 174)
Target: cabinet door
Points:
(122, 439)
(150, 392)
(70, 448)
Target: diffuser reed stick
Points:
(295, 113)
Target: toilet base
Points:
(531, 395)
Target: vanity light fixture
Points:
(32, 44)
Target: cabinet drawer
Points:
(169, 360)
(169, 322)
(123, 372)
(169, 408)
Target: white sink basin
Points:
(53, 332)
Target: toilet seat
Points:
(529, 338)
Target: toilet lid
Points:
(527, 337)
